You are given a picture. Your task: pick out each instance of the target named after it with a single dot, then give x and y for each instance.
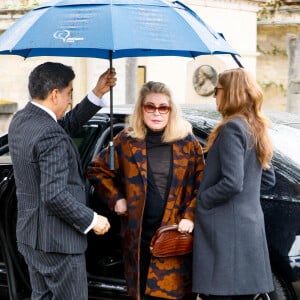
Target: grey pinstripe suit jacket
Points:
(52, 211)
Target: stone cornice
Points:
(9, 16)
(12, 12)
(283, 15)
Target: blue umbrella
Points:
(112, 29)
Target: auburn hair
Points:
(243, 98)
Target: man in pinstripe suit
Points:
(53, 218)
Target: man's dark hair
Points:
(47, 77)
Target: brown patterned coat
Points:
(168, 278)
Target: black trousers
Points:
(144, 264)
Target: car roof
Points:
(195, 112)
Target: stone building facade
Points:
(276, 25)
(252, 42)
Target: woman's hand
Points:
(186, 225)
(121, 207)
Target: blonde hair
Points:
(176, 129)
(243, 98)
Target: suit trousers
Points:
(55, 276)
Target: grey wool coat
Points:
(230, 255)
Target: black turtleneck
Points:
(159, 166)
(159, 159)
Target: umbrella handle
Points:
(111, 161)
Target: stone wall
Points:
(272, 62)
(275, 24)
(267, 59)
(7, 109)
(9, 16)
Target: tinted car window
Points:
(286, 161)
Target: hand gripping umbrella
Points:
(112, 29)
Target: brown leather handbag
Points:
(168, 241)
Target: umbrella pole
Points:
(111, 142)
(237, 61)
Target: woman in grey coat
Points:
(230, 256)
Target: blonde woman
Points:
(230, 256)
(158, 168)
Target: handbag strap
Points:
(166, 228)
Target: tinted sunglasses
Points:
(150, 108)
(216, 90)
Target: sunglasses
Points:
(216, 90)
(150, 108)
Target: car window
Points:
(286, 162)
(83, 136)
(286, 140)
(85, 139)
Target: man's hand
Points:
(106, 80)
(102, 225)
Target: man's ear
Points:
(54, 96)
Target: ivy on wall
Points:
(266, 85)
(275, 50)
(269, 9)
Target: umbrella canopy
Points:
(112, 29)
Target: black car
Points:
(281, 207)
